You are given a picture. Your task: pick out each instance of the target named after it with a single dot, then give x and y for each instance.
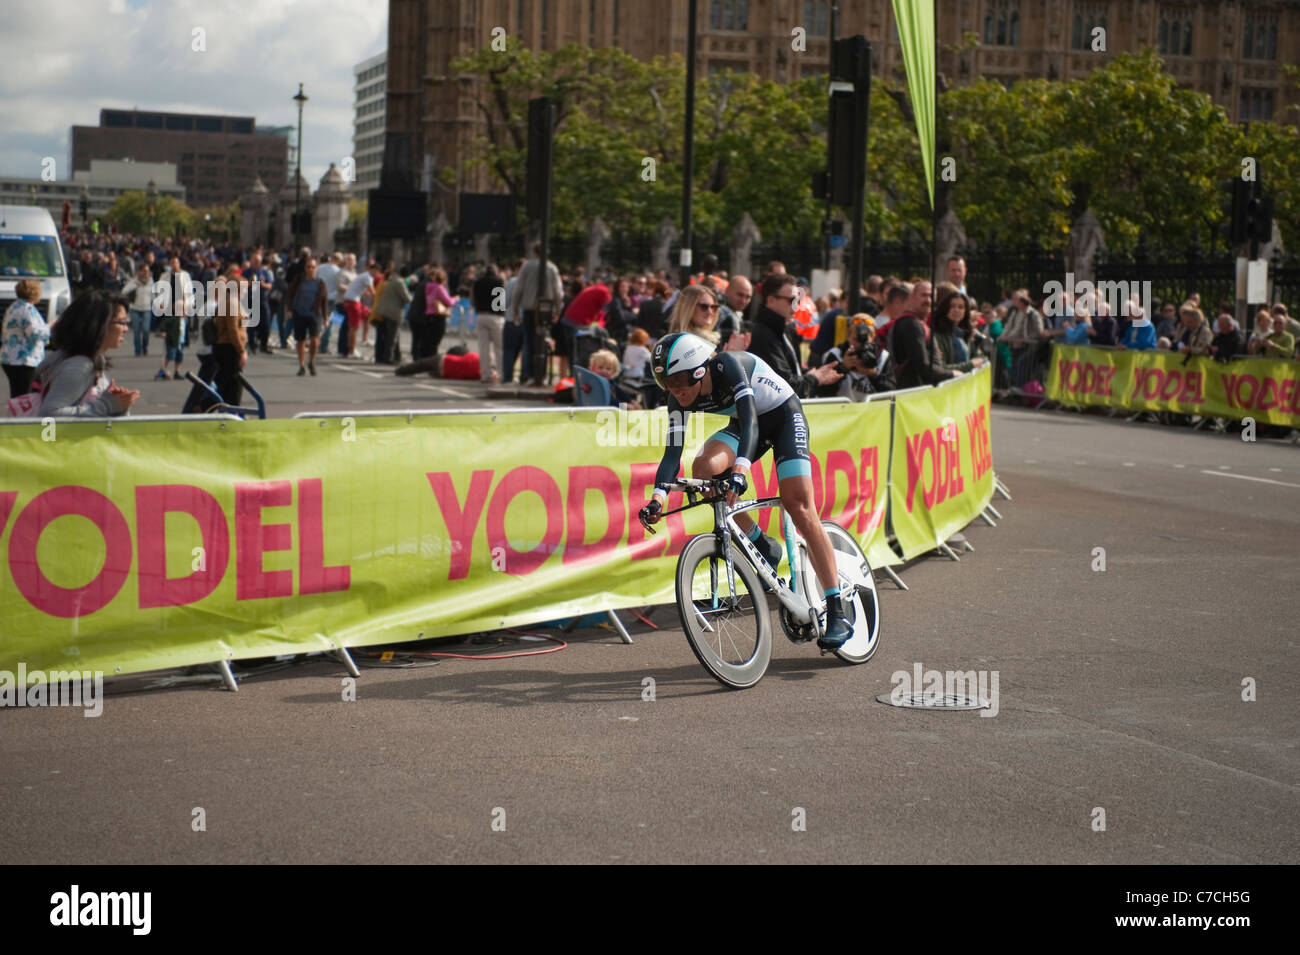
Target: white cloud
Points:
(67, 59)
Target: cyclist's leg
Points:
(797, 499)
(718, 454)
(794, 478)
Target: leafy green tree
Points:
(619, 142)
(357, 211)
(1146, 156)
(1276, 147)
(130, 213)
(1012, 175)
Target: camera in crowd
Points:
(862, 353)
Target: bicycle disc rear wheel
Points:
(725, 617)
(858, 593)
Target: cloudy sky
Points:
(67, 59)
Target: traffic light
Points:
(846, 135)
(1259, 218)
(1241, 191)
(1252, 212)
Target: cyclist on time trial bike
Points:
(765, 413)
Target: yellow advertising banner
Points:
(941, 472)
(1267, 390)
(154, 544)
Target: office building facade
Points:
(217, 157)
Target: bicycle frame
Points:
(729, 532)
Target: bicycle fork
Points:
(725, 536)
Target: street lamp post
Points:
(85, 209)
(688, 140)
(300, 99)
(152, 194)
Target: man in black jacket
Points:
(770, 342)
(1227, 344)
(917, 358)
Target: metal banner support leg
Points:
(1001, 488)
(223, 667)
(618, 625)
(947, 551)
(342, 655)
(894, 577)
(992, 510)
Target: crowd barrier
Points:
(134, 544)
(1267, 390)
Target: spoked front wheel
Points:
(724, 615)
(858, 594)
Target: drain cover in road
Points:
(934, 701)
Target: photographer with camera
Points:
(866, 366)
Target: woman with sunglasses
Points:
(765, 414)
(696, 312)
(72, 378)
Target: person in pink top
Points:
(437, 306)
(585, 309)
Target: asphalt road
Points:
(1119, 690)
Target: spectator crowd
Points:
(904, 333)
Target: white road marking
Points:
(1246, 477)
(1180, 465)
(1276, 470)
(359, 371)
(1224, 467)
(444, 390)
(1129, 464)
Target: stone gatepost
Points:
(329, 211)
(1086, 239)
(597, 235)
(743, 237)
(255, 210)
(949, 236)
(665, 236)
(437, 255)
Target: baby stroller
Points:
(205, 399)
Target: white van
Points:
(30, 248)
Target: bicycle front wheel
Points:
(724, 615)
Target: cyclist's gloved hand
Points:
(736, 482)
(649, 514)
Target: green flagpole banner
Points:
(916, 34)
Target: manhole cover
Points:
(934, 701)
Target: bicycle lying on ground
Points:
(721, 579)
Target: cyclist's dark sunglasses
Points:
(682, 379)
